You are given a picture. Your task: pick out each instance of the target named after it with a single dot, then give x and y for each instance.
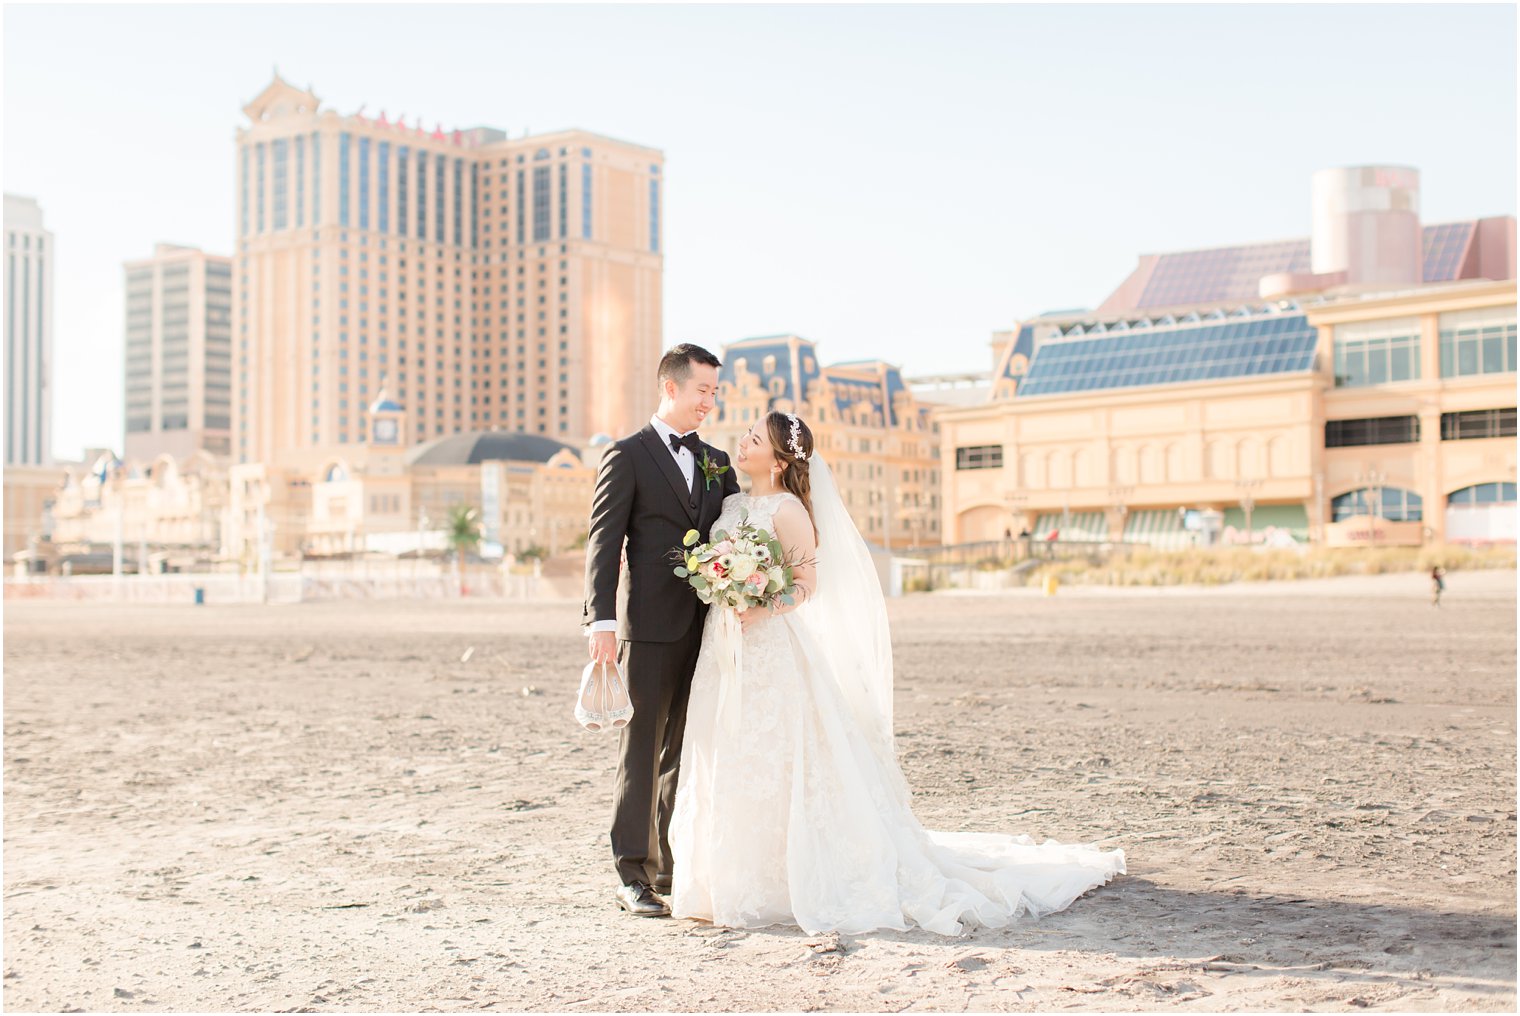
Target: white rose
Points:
(742, 569)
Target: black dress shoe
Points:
(640, 901)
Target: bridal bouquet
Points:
(739, 569)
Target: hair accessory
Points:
(794, 443)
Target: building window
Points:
(422, 195)
(541, 199)
(586, 198)
(475, 205)
(1478, 423)
(1484, 493)
(979, 457)
(364, 183)
(316, 179)
(281, 148)
(1377, 352)
(1478, 342)
(260, 154)
(345, 140)
(383, 196)
(1391, 503)
(522, 206)
(654, 216)
(564, 200)
(458, 202)
(403, 156)
(300, 180)
(440, 167)
(1380, 430)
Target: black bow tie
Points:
(691, 441)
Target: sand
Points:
(387, 806)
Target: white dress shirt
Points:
(688, 464)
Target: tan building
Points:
(178, 354)
(161, 509)
(1375, 409)
(490, 282)
(29, 495)
(389, 496)
(877, 435)
(1304, 456)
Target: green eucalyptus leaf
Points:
(681, 573)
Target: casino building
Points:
(877, 434)
(1353, 387)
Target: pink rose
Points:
(726, 547)
(758, 580)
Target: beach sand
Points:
(387, 806)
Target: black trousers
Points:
(649, 754)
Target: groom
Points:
(651, 489)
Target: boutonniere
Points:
(710, 470)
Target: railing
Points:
(312, 583)
(993, 564)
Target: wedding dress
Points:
(791, 808)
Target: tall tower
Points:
(28, 334)
(178, 353)
(496, 283)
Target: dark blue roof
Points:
(1023, 345)
(796, 378)
(474, 447)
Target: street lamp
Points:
(1118, 496)
(1372, 480)
(1015, 500)
(1247, 501)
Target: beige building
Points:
(29, 495)
(160, 509)
(389, 496)
(1353, 404)
(178, 354)
(488, 282)
(1307, 453)
(877, 436)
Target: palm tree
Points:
(463, 535)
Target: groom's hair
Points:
(676, 364)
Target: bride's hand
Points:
(753, 616)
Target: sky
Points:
(888, 181)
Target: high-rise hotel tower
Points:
(487, 282)
(28, 334)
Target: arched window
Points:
(1392, 503)
(335, 473)
(1483, 493)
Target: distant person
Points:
(1437, 584)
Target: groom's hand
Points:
(603, 647)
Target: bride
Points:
(791, 808)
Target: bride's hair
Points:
(792, 443)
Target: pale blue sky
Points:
(888, 181)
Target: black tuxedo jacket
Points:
(642, 501)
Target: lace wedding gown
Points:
(791, 810)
